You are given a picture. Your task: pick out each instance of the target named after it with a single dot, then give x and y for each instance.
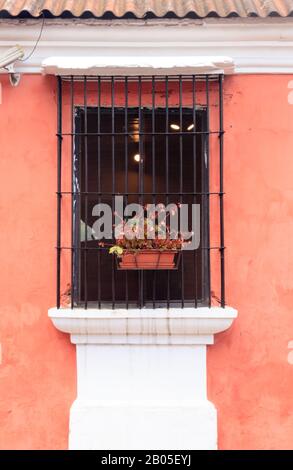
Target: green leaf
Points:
(117, 250)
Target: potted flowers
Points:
(149, 250)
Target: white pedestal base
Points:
(152, 426)
(141, 377)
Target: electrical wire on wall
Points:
(37, 41)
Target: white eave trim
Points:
(256, 46)
(134, 65)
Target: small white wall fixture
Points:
(141, 377)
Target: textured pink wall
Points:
(37, 373)
(250, 377)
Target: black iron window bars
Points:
(151, 140)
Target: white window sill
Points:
(145, 326)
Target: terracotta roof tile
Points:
(148, 8)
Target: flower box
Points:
(149, 259)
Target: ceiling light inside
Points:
(136, 157)
(190, 127)
(175, 127)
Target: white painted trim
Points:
(146, 326)
(256, 46)
(134, 65)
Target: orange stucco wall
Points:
(249, 367)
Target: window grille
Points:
(174, 126)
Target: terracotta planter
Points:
(148, 259)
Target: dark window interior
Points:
(112, 169)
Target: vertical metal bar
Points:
(72, 191)
(141, 182)
(113, 179)
(208, 187)
(99, 183)
(167, 170)
(194, 178)
(78, 183)
(222, 240)
(85, 188)
(126, 171)
(59, 195)
(154, 170)
(141, 138)
(181, 180)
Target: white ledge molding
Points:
(141, 377)
(146, 326)
(134, 65)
